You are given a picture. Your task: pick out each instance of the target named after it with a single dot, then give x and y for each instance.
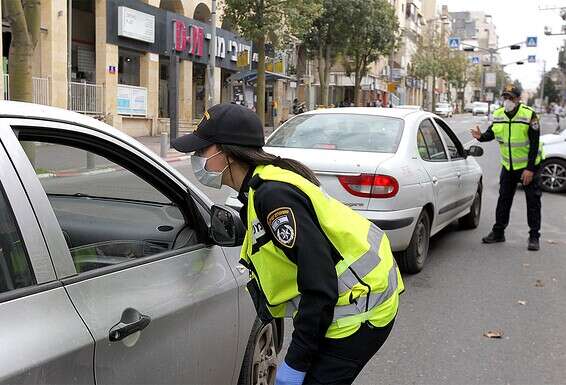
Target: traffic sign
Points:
(531, 41)
(532, 59)
(490, 79)
(454, 42)
(475, 60)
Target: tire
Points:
(260, 359)
(553, 175)
(413, 258)
(472, 219)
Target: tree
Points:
(431, 58)
(550, 90)
(270, 20)
(325, 40)
(24, 19)
(373, 32)
(459, 72)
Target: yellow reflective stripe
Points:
(515, 160)
(520, 144)
(363, 265)
(521, 119)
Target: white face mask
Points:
(509, 105)
(208, 178)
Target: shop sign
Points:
(136, 25)
(190, 39)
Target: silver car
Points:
(114, 269)
(405, 170)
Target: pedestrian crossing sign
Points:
(532, 59)
(454, 42)
(531, 41)
(475, 60)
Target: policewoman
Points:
(310, 257)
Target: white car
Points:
(444, 109)
(404, 170)
(553, 168)
(479, 108)
(410, 107)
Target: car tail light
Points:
(370, 186)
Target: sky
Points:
(514, 21)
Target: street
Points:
(467, 289)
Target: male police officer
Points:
(516, 127)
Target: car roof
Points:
(400, 113)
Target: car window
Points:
(108, 214)
(421, 144)
(15, 267)
(348, 132)
(432, 140)
(453, 149)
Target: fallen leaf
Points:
(522, 302)
(493, 334)
(539, 283)
(551, 242)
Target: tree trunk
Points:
(260, 108)
(325, 94)
(357, 82)
(433, 108)
(321, 76)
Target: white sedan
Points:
(553, 168)
(405, 170)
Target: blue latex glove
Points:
(286, 375)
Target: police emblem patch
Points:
(535, 125)
(281, 221)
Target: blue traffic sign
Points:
(454, 42)
(475, 60)
(532, 59)
(532, 41)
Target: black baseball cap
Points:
(511, 90)
(225, 123)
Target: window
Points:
(15, 270)
(108, 214)
(454, 150)
(428, 136)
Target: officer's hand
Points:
(527, 177)
(286, 375)
(476, 133)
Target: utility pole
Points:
(212, 52)
(69, 50)
(542, 83)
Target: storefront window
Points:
(128, 67)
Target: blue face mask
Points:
(208, 178)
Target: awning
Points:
(250, 76)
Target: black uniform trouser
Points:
(341, 360)
(508, 181)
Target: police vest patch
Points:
(281, 221)
(535, 125)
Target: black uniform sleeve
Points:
(487, 136)
(280, 206)
(534, 138)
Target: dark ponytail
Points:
(255, 156)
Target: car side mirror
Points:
(226, 227)
(475, 151)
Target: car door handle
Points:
(459, 174)
(434, 180)
(132, 321)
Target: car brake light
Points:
(370, 186)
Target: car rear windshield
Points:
(347, 132)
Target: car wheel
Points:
(260, 359)
(553, 175)
(472, 220)
(413, 258)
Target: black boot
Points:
(493, 238)
(534, 244)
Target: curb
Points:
(72, 173)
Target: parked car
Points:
(553, 168)
(122, 270)
(469, 107)
(480, 108)
(405, 170)
(444, 110)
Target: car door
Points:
(161, 304)
(437, 164)
(465, 166)
(42, 338)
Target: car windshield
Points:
(348, 132)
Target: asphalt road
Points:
(467, 289)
